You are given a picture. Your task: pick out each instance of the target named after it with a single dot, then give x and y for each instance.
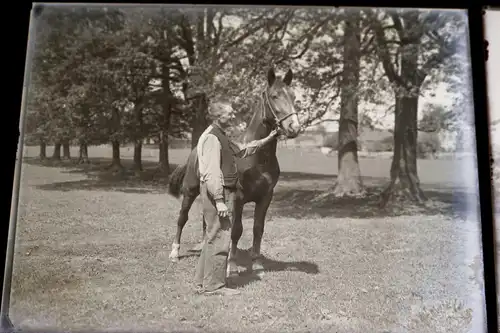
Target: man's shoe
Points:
(224, 291)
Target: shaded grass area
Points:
(98, 258)
(301, 194)
(100, 177)
(298, 194)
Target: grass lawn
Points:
(92, 253)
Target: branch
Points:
(218, 29)
(323, 121)
(428, 130)
(325, 110)
(385, 56)
(434, 61)
(251, 31)
(281, 28)
(187, 41)
(368, 47)
(308, 36)
(285, 26)
(397, 23)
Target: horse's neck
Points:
(257, 129)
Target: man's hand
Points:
(221, 209)
(274, 132)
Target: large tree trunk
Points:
(138, 155)
(116, 161)
(349, 178)
(56, 155)
(66, 150)
(404, 176)
(84, 154)
(43, 150)
(200, 121)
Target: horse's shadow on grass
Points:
(244, 259)
(248, 275)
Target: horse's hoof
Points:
(258, 269)
(233, 273)
(174, 259)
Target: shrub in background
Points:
(428, 144)
(331, 140)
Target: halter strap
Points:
(278, 121)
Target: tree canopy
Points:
(104, 75)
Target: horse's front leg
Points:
(236, 232)
(260, 213)
(187, 202)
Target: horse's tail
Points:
(176, 179)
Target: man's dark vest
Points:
(227, 159)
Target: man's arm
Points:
(211, 159)
(252, 147)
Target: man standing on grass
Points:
(218, 181)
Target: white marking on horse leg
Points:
(174, 255)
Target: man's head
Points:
(221, 112)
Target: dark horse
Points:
(258, 173)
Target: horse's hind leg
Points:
(260, 212)
(187, 202)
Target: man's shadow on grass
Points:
(247, 275)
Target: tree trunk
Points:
(66, 150)
(349, 181)
(200, 121)
(84, 154)
(116, 128)
(404, 176)
(116, 161)
(57, 152)
(139, 135)
(163, 147)
(167, 112)
(138, 155)
(43, 150)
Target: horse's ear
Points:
(288, 77)
(271, 76)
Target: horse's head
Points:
(279, 107)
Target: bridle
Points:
(277, 121)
